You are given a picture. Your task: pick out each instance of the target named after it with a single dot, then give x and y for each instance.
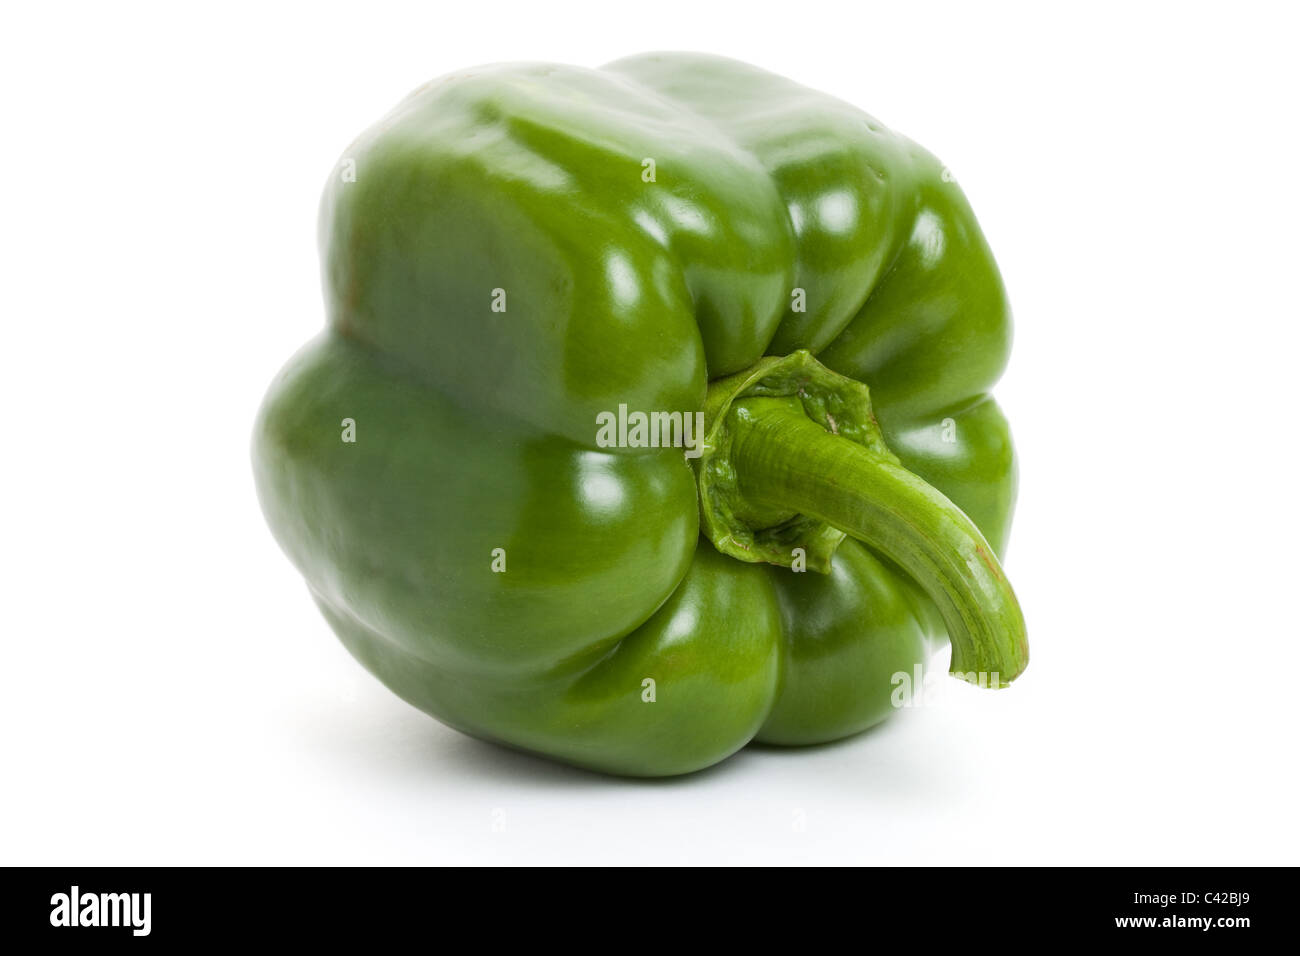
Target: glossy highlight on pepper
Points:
(519, 252)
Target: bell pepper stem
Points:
(784, 461)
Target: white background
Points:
(168, 693)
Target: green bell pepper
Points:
(519, 256)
